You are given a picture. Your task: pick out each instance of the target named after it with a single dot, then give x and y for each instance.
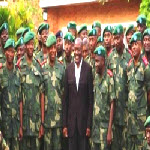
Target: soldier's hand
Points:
(20, 133)
(88, 132)
(109, 137)
(65, 132)
(41, 131)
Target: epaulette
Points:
(110, 72)
(60, 62)
(1, 65)
(145, 60)
(18, 62)
(130, 61)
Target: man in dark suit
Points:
(78, 101)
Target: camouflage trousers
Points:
(53, 139)
(12, 143)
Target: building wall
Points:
(116, 11)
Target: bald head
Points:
(78, 41)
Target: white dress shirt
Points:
(77, 73)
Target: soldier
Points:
(138, 73)
(53, 75)
(10, 97)
(117, 62)
(3, 145)
(82, 33)
(141, 23)
(100, 41)
(72, 28)
(33, 100)
(43, 31)
(59, 45)
(104, 103)
(19, 32)
(3, 37)
(97, 26)
(85, 50)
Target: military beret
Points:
(29, 36)
(19, 42)
(96, 24)
(100, 51)
(59, 34)
(51, 40)
(147, 122)
(93, 32)
(4, 26)
(82, 27)
(118, 30)
(100, 39)
(71, 25)
(146, 32)
(20, 31)
(141, 19)
(69, 37)
(43, 26)
(27, 29)
(9, 43)
(73, 38)
(129, 29)
(108, 29)
(137, 36)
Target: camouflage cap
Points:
(93, 32)
(29, 36)
(100, 39)
(118, 30)
(129, 29)
(100, 51)
(147, 122)
(43, 26)
(51, 40)
(82, 27)
(146, 32)
(4, 26)
(108, 29)
(137, 36)
(71, 25)
(69, 37)
(20, 31)
(9, 43)
(96, 24)
(141, 19)
(59, 34)
(19, 42)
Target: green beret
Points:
(118, 30)
(100, 51)
(137, 36)
(29, 36)
(141, 19)
(146, 32)
(9, 43)
(73, 39)
(82, 27)
(93, 32)
(51, 40)
(96, 24)
(4, 26)
(43, 26)
(147, 122)
(71, 25)
(27, 29)
(129, 29)
(107, 29)
(69, 37)
(20, 31)
(19, 42)
(100, 39)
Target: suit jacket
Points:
(78, 105)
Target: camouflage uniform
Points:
(40, 56)
(66, 63)
(138, 83)
(11, 96)
(31, 80)
(118, 64)
(3, 145)
(146, 146)
(53, 89)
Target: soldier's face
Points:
(92, 43)
(83, 34)
(44, 35)
(68, 48)
(52, 52)
(59, 44)
(20, 51)
(118, 41)
(141, 27)
(107, 39)
(98, 30)
(148, 135)
(4, 36)
(99, 63)
(85, 51)
(146, 43)
(128, 37)
(30, 48)
(73, 32)
(77, 53)
(10, 53)
(136, 48)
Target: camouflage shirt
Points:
(53, 89)
(40, 56)
(66, 62)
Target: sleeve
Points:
(111, 89)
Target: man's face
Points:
(20, 51)
(44, 35)
(107, 39)
(146, 43)
(83, 34)
(30, 48)
(59, 44)
(148, 135)
(68, 48)
(73, 32)
(141, 27)
(85, 51)
(92, 43)
(118, 41)
(10, 53)
(52, 52)
(77, 53)
(98, 30)
(136, 48)
(99, 63)
(128, 37)
(4, 36)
